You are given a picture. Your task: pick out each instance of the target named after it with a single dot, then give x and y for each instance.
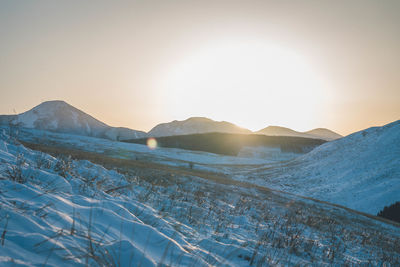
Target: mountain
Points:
(195, 125)
(280, 131)
(59, 116)
(319, 133)
(323, 133)
(361, 171)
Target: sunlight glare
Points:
(152, 143)
(250, 84)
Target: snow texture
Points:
(360, 171)
(64, 212)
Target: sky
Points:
(298, 64)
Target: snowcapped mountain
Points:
(360, 171)
(195, 125)
(319, 133)
(60, 116)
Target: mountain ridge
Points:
(59, 116)
(319, 133)
(195, 125)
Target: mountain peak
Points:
(324, 133)
(195, 125)
(59, 116)
(279, 130)
(53, 105)
(198, 119)
(54, 102)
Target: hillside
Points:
(195, 125)
(319, 133)
(59, 211)
(232, 144)
(360, 171)
(59, 116)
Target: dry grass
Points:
(280, 225)
(159, 173)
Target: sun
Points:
(248, 83)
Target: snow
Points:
(170, 156)
(120, 133)
(44, 111)
(264, 152)
(59, 116)
(64, 212)
(44, 208)
(360, 171)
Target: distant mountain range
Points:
(60, 116)
(196, 125)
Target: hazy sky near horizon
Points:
(299, 64)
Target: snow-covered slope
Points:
(360, 171)
(55, 212)
(122, 133)
(59, 116)
(7, 119)
(64, 212)
(319, 133)
(62, 117)
(195, 125)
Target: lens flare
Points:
(152, 143)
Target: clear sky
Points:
(299, 64)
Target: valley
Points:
(274, 201)
(171, 214)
